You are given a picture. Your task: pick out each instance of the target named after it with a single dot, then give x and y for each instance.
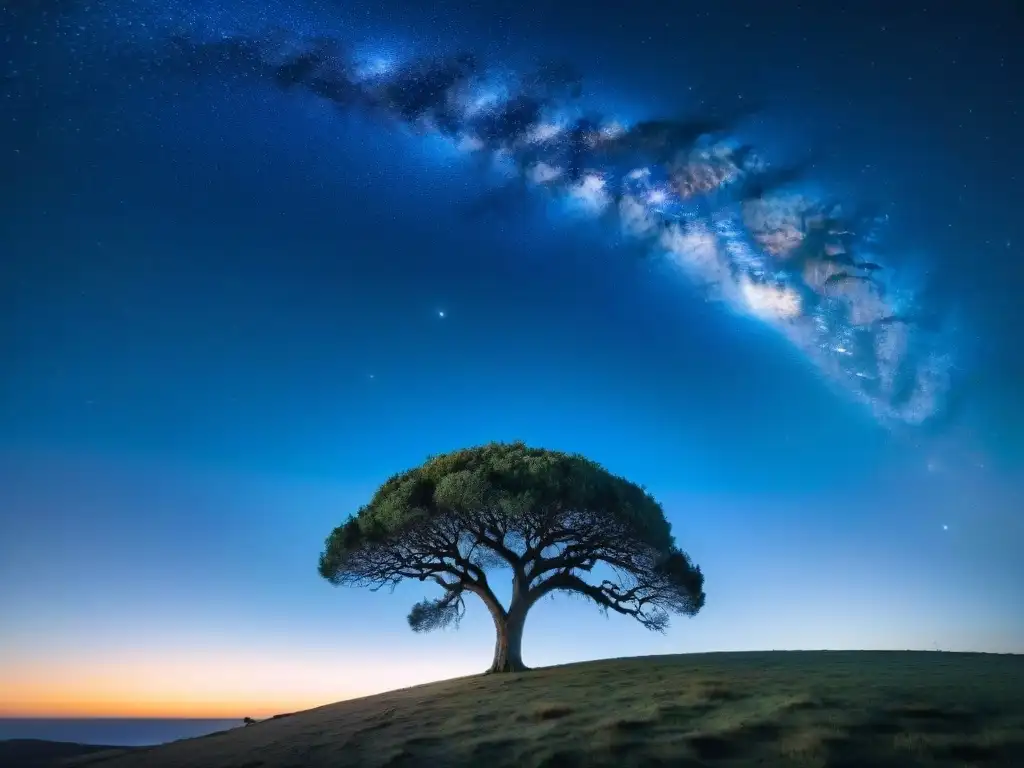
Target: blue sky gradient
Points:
(221, 331)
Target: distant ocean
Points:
(128, 732)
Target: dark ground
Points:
(832, 709)
(38, 753)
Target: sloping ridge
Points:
(827, 708)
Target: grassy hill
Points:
(813, 709)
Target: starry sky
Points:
(254, 260)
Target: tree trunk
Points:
(508, 646)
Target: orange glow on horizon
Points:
(85, 709)
(107, 704)
(204, 685)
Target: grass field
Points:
(812, 709)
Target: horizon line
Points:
(262, 712)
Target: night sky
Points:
(255, 258)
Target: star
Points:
(440, 313)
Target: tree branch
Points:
(607, 595)
(490, 600)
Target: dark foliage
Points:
(550, 517)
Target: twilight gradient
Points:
(237, 296)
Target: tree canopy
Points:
(550, 517)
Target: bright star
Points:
(440, 313)
(657, 197)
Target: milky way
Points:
(686, 190)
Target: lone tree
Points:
(550, 517)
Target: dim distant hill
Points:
(38, 753)
(822, 709)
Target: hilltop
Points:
(829, 709)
